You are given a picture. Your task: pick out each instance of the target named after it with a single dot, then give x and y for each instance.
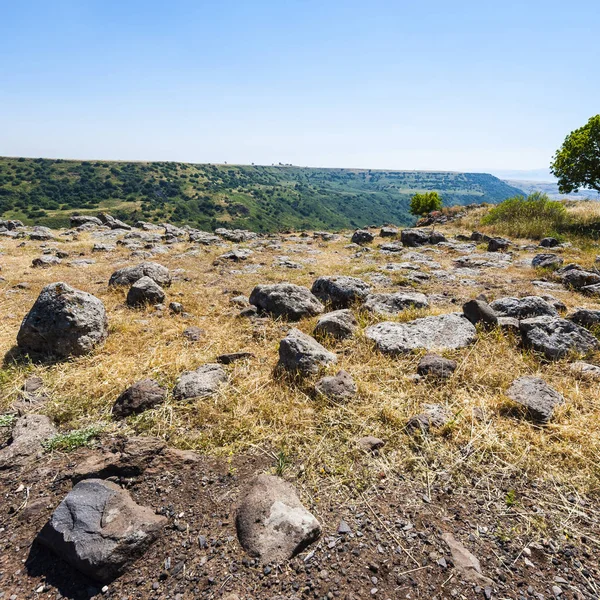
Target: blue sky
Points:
(427, 84)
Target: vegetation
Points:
(208, 196)
(534, 216)
(421, 204)
(67, 442)
(577, 162)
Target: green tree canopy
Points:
(577, 162)
(421, 204)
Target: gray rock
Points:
(585, 317)
(129, 275)
(99, 529)
(490, 260)
(176, 308)
(141, 396)
(203, 237)
(578, 279)
(444, 332)
(509, 324)
(552, 261)
(301, 353)
(271, 522)
(339, 324)
(201, 383)
(478, 311)
(145, 291)
(113, 223)
(41, 234)
(370, 443)
(340, 291)
(549, 242)
(585, 370)
(433, 415)
(362, 236)
(523, 308)
(413, 238)
(26, 440)
(237, 255)
(497, 244)
(193, 333)
(236, 235)
(286, 300)
(45, 262)
(433, 365)
(536, 396)
(391, 247)
(103, 248)
(556, 338)
(77, 220)
(227, 359)
(591, 290)
(388, 232)
(338, 388)
(383, 304)
(63, 322)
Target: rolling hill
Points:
(261, 198)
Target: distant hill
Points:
(551, 188)
(208, 196)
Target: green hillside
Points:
(46, 192)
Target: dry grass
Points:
(259, 411)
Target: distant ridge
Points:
(261, 198)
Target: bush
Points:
(421, 204)
(534, 216)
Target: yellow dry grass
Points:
(260, 411)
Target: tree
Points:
(421, 204)
(577, 162)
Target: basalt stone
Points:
(63, 322)
(547, 261)
(340, 291)
(395, 303)
(478, 311)
(339, 324)
(362, 236)
(339, 388)
(300, 353)
(129, 275)
(585, 317)
(549, 242)
(497, 244)
(435, 366)
(536, 396)
(45, 262)
(141, 396)
(143, 292)
(201, 383)
(523, 308)
(388, 232)
(578, 279)
(286, 300)
(413, 238)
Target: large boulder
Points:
(585, 317)
(547, 261)
(536, 396)
(497, 244)
(556, 338)
(26, 440)
(204, 381)
(137, 398)
(339, 324)
(63, 322)
(523, 308)
(272, 524)
(287, 300)
(300, 353)
(444, 332)
(394, 303)
(340, 291)
(78, 220)
(549, 242)
(578, 279)
(99, 529)
(362, 236)
(129, 275)
(145, 291)
(414, 237)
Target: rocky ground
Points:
(424, 405)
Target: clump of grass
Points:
(7, 420)
(67, 442)
(534, 216)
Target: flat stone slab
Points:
(395, 303)
(443, 332)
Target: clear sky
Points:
(429, 84)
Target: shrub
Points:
(534, 216)
(421, 204)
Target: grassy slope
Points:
(209, 196)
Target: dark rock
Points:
(549, 242)
(145, 291)
(45, 262)
(99, 529)
(413, 238)
(227, 359)
(585, 317)
(433, 415)
(176, 308)
(536, 396)
(26, 440)
(556, 338)
(287, 300)
(436, 366)
(340, 291)
(129, 275)
(578, 279)
(113, 223)
(193, 334)
(479, 311)
(237, 255)
(204, 381)
(362, 236)
(497, 244)
(141, 396)
(388, 232)
(476, 236)
(339, 324)
(300, 353)
(338, 388)
(272, 524)
(523, 308)
(63, 322)
(542, 261)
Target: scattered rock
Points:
(585, 370)
(549, 242)
(99, 529)
(339, 324)
(141, 396)
(202, 382)
(227, 359)
(413, 238)
(497, 244)
(272, 524)
(479, 311)
(45, 262)
(523, 308)
(193, 334)
(145, 291)
(113, 223)
(536, 396)
(286, 300)
(339, 388)
(578, 279)
(129, 275)
(433, 415)
(362, 236)
(556, 338)
(63, 322)
(433, 365)
(464, 562)
(26, 440)
(444, 332)
(545, 261)
(394, 303)
(340, 291)
(300, 353)
(585, 317)
(78, 220)
(370, 443)
(237, 255)
(388, 232)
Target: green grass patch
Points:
(67, 442)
